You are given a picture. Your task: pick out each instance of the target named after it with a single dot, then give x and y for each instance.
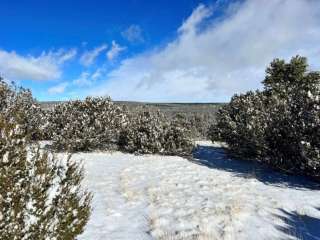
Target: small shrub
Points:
(241, 125)
(94, 123)
(197, 123)
(178, 137)
(279, 125)
(39, 197)
(151, 132)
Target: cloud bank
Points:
(214, 57)
(47, 66)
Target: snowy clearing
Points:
(211, 197)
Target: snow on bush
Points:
(17, 105)
(151, 132)
(98, 123)
(279, 125)
(241, 125)
(197, 123)
(40, 198)
(94, 123)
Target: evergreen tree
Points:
(281, 124)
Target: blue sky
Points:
(159, 51)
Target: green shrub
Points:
(279, 125)
(17, 105)
(197, 123)
(39, 197)
(241, 125)
(151, 132)
(94, 123)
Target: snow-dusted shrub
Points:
(200, 123)
(241, 124)
(293, 136)
(279, 125)
(94, 123)
(40, 198)
(151, 132)
(178, 138)
(17, 105)
(197, 123)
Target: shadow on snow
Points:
(214, 157)
(299, 226)
(294, 225)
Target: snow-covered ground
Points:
(210, 197)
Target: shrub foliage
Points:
(94, 123)
(40, 198)
(151, 132)
(98, 123)
(279, 125)
(197, 123)
(17, 105)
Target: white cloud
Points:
(133, 34)
(199, 14)
(114, 51)
(211, 59)
(58, 89)
(89, 56)
(87, 78)
(47, 66)
(66, 56)
(98, 73)
(83, 80)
